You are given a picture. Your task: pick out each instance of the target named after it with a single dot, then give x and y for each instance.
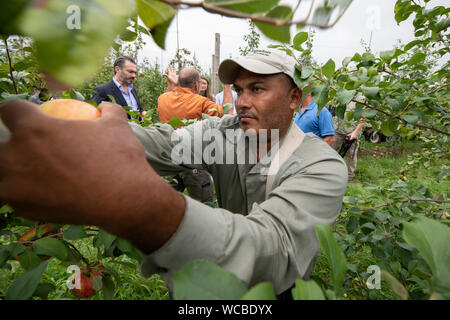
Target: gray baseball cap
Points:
(268, 61)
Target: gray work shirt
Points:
(257, 238)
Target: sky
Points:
(369, 20)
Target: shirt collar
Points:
(311, 106)
(118, 85)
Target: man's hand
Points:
(91, 172)
(172, 78)
(329, 139)
(227, 96)
(352, 136)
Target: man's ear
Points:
(116, 69)
(295, 98)
(196, 87)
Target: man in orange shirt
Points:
(184, 102)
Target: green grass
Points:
(380, 166)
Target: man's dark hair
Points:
(188, 77)
(120, 61)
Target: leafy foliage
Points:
(403, 92)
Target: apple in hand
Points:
(70, 109)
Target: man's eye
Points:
(257, 89)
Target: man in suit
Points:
(121, 86)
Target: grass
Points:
(380, 165)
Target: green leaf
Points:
(412, 44)
(322, 15)
(282, 33)
(128, 35)
(307, 72)
(386, 129)
(71, 46)
(299, 39)
(320, 94)
(370, 92)
(328, 68)
(10, 13)
(103, 238)
(356, 57)
(261, 291)
(108, 287)
(135, 253)
(51, 247)
(74, 233)
(344, 96)
(334, 254)
(24, 286)
(411, 118)
(159, 33)
(394, 104)
(416, 58)
(227, 107)
(307, 290)
(387, 56)
(431, 239)
(43, 289)
(398, 289)
(154, 13)
(28, 259)
(175, 122)
(204, 280)
(245, 6)
(369, 113)
(6, 209)
(124, 245)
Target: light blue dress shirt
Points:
(129, 97)
(219, 99)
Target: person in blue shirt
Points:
(219, 98)
(308, 121)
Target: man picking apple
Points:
(97, 172)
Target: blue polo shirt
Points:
(309, 122)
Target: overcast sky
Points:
(197, 28)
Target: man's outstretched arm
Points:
(85, 172)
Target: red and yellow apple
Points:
(87, 281)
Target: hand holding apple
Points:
(85, 173)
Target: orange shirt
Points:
(182, 103)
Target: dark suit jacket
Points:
(102, 91)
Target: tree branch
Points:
(400, 118)
(10, 66)
(438, 88)
(394, 75)
(231, 13)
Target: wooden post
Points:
(213, 78)
(216, 62)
